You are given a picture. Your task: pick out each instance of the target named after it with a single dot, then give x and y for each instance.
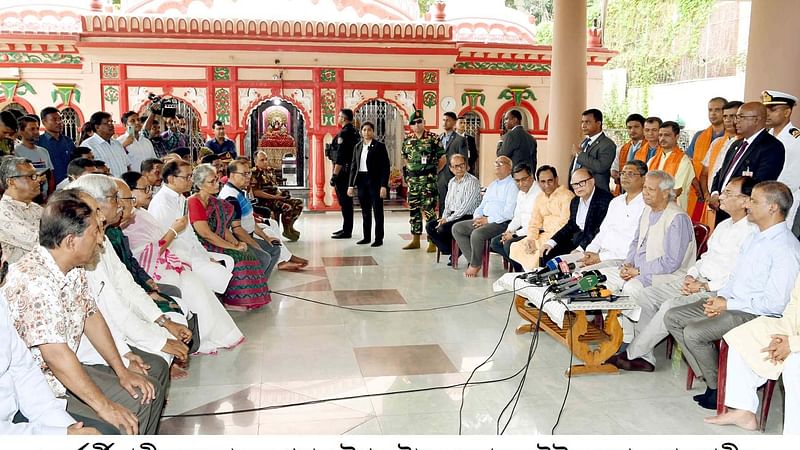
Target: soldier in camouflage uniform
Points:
(422, 155)
(270, 198)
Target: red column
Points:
(318, 170)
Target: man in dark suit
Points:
(472, 146)
(586, 212)
(597, 151)
(343, 145)
(758, 154)
(452, 143)
(518, 144)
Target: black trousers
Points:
(558, 250)
(504, 249)
(342, 183)
(369, 196)
(443, 237)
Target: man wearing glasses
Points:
(19, 215)
(104, 147)
(758, 154)
(586, 212)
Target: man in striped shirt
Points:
(463, 197)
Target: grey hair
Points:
(778, 194)
(665, 181)
(10, 168)
(457, 156)
(263, 152)
(95, 184)
(200, 174)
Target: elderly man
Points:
(19, 215)
(453, 143)
(273, 201)
(125, 304)
(586, 213)
(104, 146)
(663, 246)
(764, 348)
(266, 247)
(759, 285)
(611, 244)
(550, 213)
(702, 281)
(169, 205)
(52, 308)
(463, 197)
(490, 218)
(518, 227)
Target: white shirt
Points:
(124, 304)
(585, 147)
(716, 264)
(362, 163)
(583, 210)
(111, 152)
(523, 210)
(790, 175)
(731, 173)
(24, 388)
(166, 207)
(138, 151)
(618, 228)
(712, 171)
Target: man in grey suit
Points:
(518, 144)
(453, 143)
(597, 151)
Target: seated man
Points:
(518, 227)
(76, 168)
(663, 247)
(611, 244)
(19, 215)
(279, 202)
(124, 303)
(550, 213)
(702, 281)
(151, 171)
(489, 219)
(586, 212)
(52, 278)
(24, 391)
(764, 348)
(759, 285)
(463, 197)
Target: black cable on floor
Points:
(488, 358)
(569, 374)
(350, 308)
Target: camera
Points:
(164, 107)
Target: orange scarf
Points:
(672, 163)
(626, 148)
(715, 151)
(702, 144)
(641, 154)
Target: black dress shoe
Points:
(336, 233)
(699, 397)
(363, 241)
(341, 236)
(377, 243)
(710, 400)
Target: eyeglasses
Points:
(499, 163)
(32, 176)
(729, 193)
(522, 180)
(741, 117)
(458, 166)
(185, 177)
(244, 174)
(417, 122)
(114, 197)
(579, 184)
(129, 199)
(146, 190)
(628, 173)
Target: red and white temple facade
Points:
(278, 77)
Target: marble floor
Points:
(298, 352)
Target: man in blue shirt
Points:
(759, 285)
(220, 144)
(490, 219)
(59, 147)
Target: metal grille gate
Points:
(388, 125)
(72, 124)
(192, 126)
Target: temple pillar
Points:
(567, 83)
(317, 193)
(773, 60)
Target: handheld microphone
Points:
(584, 284)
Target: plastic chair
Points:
(766, 390)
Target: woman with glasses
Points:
(370, 175)
(150, 246)
(211, 219)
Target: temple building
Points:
(276, 73)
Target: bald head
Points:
(751, 118)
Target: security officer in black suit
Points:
(342, 146)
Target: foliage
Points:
(653, 36)
(544, 33)
(542, 10)
(424, 6)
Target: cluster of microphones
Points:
(557, 275)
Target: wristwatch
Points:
(161, 321)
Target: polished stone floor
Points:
(297, 351)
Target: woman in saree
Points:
(211, 219)
(150, 245)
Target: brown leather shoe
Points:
(615, 360)
(636, 365)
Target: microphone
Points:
(598, 293)
(549, 266)
(584, 284)
(567, 283)
(561, 267)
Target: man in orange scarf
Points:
(716, 155)
(671, 159)
(701, 143)
(627, 152)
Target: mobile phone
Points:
(131, 129)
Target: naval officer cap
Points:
(769, 98)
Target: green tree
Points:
(424, 5)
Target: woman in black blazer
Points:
(369, 173)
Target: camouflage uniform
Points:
(287, 209)
(422, 158)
